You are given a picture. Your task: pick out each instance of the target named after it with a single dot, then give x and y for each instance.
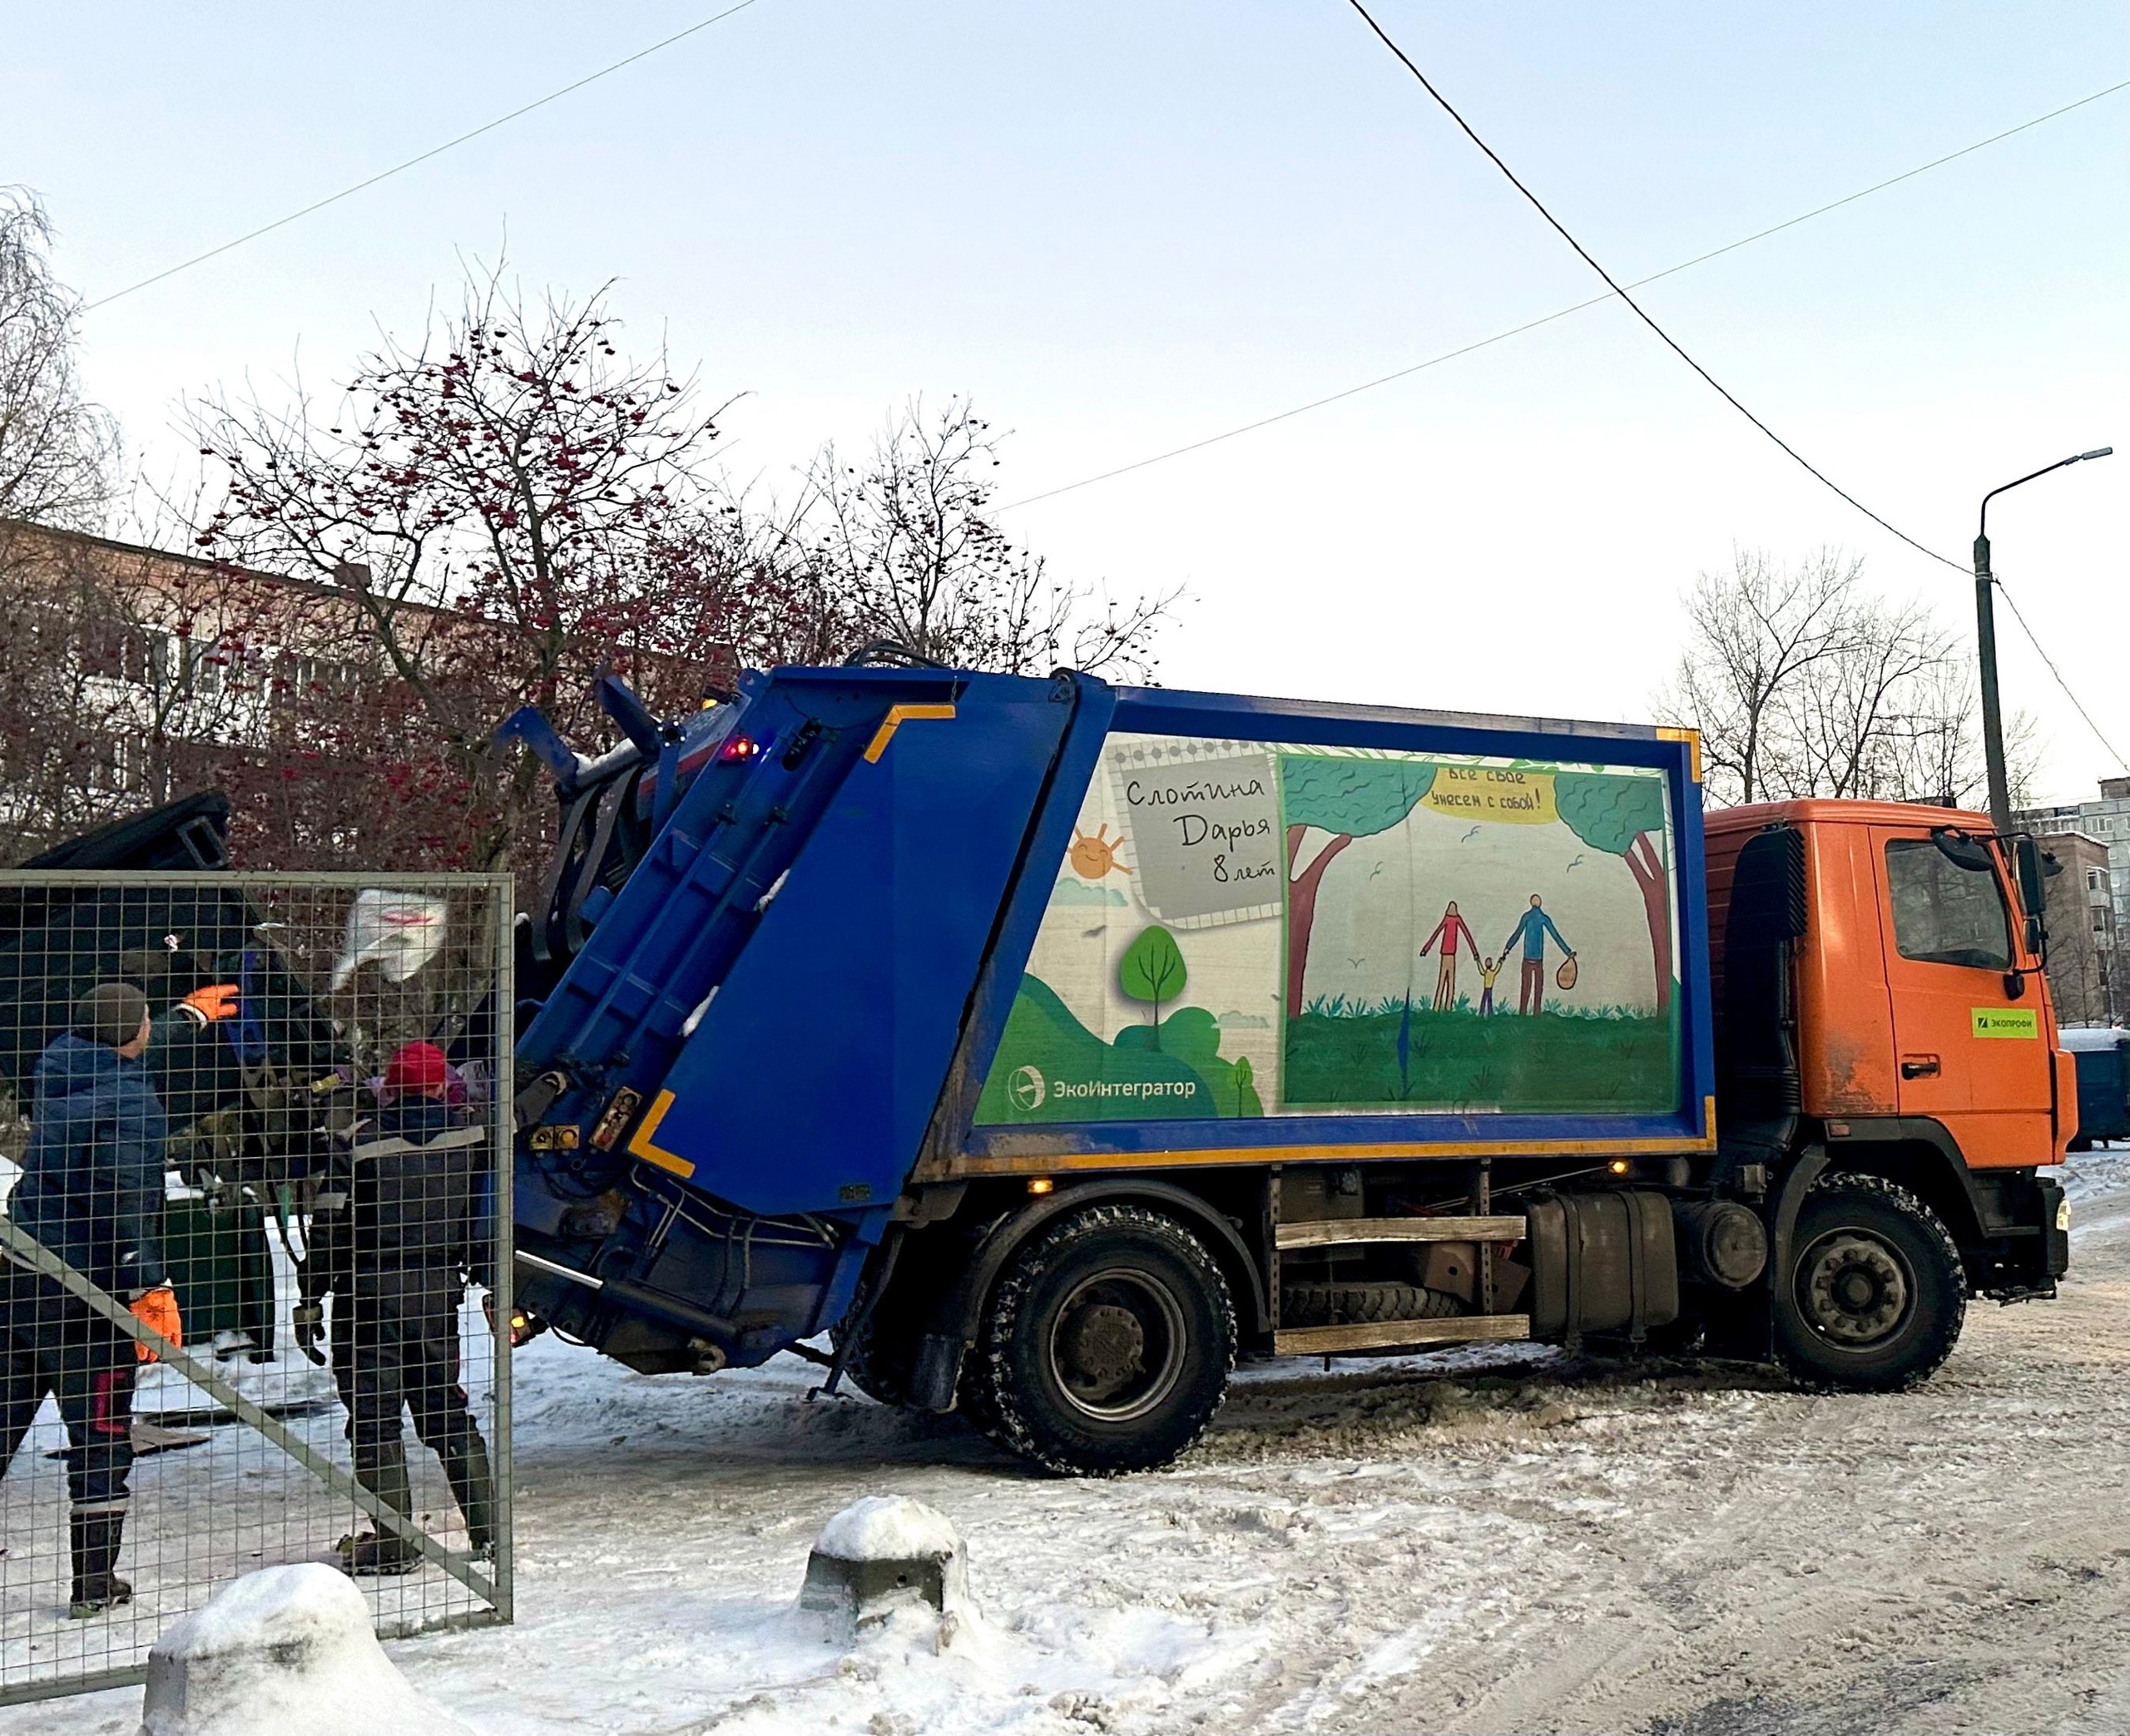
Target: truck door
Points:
(1968, 1054)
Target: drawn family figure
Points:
(1532, 928)
(1490, 968)
(1452, 931)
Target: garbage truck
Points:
(1033, 1049)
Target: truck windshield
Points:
(1943, 914)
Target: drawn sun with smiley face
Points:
(1094, 855)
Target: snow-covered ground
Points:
(1490, 1540)
(2091, 1174)
(203, 1514)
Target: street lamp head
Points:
(1992, 730)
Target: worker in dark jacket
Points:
(91, 1192)
(397, 1257)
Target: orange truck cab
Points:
(1885, 1038)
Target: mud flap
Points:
(937, 1376)
(2055, 1227)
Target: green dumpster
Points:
(218, 1260)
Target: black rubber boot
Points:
(95, 1538)
(467, 1471)
(383, 1470)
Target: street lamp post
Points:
(1985, 633)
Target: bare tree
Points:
(1844, 719)
(909, 538)
(1804, 683)
(57, 454)
(1753, 634)
(1931, 746)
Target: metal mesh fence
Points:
(254, 1237)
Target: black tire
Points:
(1106, 1346)
(1876, 1292)
(1361, 1304)
(881, 1363)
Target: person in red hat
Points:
(394, 1250)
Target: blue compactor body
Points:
(1034, 1046)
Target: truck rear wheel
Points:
(1107, 1345)
(1876, 1292)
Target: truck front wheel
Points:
(1876, 1292)
(1107, 1345)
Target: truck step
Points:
(1398, 1334)
(1335, 1232)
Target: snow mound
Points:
(889, 1528)
(287, 1649)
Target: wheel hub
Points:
(1107, 1346)
(1855, 1291)
(1116, 1346)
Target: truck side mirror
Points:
(2028, 864)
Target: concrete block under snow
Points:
(282, 1651)
(883, 1554)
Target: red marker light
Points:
(738, 747)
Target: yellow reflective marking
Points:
(1053, 1162)
(1667, 732)
(897, 716)
(640, 1144)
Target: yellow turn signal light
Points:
(1040, 1183)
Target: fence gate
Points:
(256, 1232)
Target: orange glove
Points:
(157, 1311)
(209, 1005)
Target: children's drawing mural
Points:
(1247, 928)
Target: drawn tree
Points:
(1152, 970)
(1624, 817)
(1349, 799)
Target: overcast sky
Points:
(1123, 227)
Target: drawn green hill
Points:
(1174, 1072)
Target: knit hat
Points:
(419, 1068)
(111, 1013)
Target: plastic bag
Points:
(400, 932)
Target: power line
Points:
(1633, 306)
(2113, 752)
(436, 150)
(1673, 345)
(1517, 331)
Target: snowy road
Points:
(1497, 1540)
